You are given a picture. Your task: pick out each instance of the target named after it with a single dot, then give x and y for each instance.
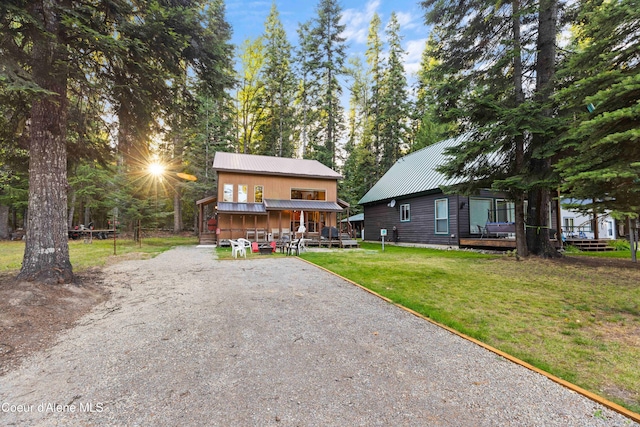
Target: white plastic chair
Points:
(237, 249)
(246, 244)
(302, 246)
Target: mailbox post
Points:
(383, 234)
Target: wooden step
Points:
(591, 245)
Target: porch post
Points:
(244, 225)
(255, 226)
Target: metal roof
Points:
(249, 208)
(267, 165)
(302, 205)
(354, 218)
(414, 173)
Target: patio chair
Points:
(237, 249)
(294, 245)
(245, 243)
(302, 246)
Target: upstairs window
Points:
(242, 193)
(308, 194)
(227, 194)
(258, 191)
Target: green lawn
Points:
(579, 323)
(96, 254)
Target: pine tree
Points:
(327, 55)
(393, 102)
(251, 95)
(360, 166)
(487, 53)
(427, 129)
(279, 84)
(601, 78)
(128, 53)
(376, 64)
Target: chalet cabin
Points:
(264, 198)
(409, 203)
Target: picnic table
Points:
(88, 234)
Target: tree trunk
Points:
(4, 222)
(87, 214)
(46, 254)
(521, 237)
(177, 210)
(72, 210)
(540, 196)
(633, 241)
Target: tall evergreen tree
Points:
(251, 94)
(279, 86)
(599, 100)
(327, 54)
(393, 102)
(427, 129)
(307, 87)
(376, 64)
(487, 53)
(360, 166)
(126, 50)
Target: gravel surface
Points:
(187, 340)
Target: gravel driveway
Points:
(187, 340)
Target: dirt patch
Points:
(596, 262)
(32, 315)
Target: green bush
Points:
(570, 249)
(620, 245)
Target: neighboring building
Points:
(261, 198)
(355, 223)
(409, 197)
(576, 225)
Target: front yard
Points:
(577, 318)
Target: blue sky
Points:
(247, 20)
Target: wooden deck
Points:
(500, 244)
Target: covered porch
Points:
(280, 221)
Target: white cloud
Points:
(357, 22)
(414, 49)
(408, 21)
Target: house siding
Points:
(421, 227)
(274, 187)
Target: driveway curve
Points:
(187, 340)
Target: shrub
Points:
(620, 245)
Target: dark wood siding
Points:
(421, 227)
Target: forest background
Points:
(92, 93)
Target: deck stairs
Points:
(591, 245)
(208, 239)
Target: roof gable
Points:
(414, 173)
(268, 165)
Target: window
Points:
(480, 210)
(505, 211)
(442, 216)
(227, 195)
(258, 190)
(405, 213)
(242, 193)
(308, 194)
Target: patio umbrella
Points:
(302, 228)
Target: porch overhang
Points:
(302, 205)
(241, 208)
